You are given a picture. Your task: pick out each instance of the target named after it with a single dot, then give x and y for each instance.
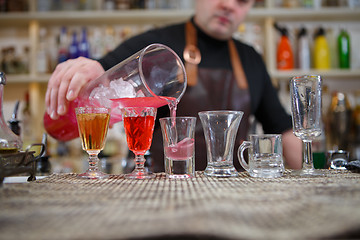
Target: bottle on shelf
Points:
(109, 5)
(126, 4)
(308, 3)
(63, 46)
(290, 3)
(70, 5)
(84, 46)
(344, 49)
(74, 47)
(43, 5)
(97, 44)
(8, 63)
(321, 50)
(303, 50)
(25, 60)
(87, 5)
(339, 120)
(325, 102)
(109, 40)
(43, 61)
(27, 134)
(284, 56)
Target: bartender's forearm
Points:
(292, 149)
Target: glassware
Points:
(340, 122)
(337, 159)
(305, 92)
(139, 128)
(220, 128)
(9, 141)
(265, 156)
(153, 77)
(93, 123)
(179, 146)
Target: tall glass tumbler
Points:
(179, 146)
(220, 129)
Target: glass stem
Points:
(140, 162)
(93, 162)
(307, 155)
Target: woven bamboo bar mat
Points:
(62, 206)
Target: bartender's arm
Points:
(292, 148)
(66, 82)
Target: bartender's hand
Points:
(292, 148)
(66, 82)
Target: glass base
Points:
(179, 176)
(221, 171)
(139, 175)
(267, 173)
(93, 175)
(308, 173)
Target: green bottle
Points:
(344, 49)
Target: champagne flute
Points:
(139, 128)
(305, 92)
(93, 123)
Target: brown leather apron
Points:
(208, 89)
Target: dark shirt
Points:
(265, 104)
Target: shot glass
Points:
(220, 129)
(337, 159)
(179, 146)
(265, 156)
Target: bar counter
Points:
(62, 206)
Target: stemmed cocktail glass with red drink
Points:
(139, 128)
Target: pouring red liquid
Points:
(65, 128)
(156, 73)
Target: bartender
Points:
(223, 74)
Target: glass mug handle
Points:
(244, 145)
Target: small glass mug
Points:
(337, 159)
(265, 156)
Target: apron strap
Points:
(192, 58)
(237, 66)
(191, 54)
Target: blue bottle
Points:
(74, 47)
(63, 46)
(84, 46)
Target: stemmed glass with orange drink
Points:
(93, 123)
